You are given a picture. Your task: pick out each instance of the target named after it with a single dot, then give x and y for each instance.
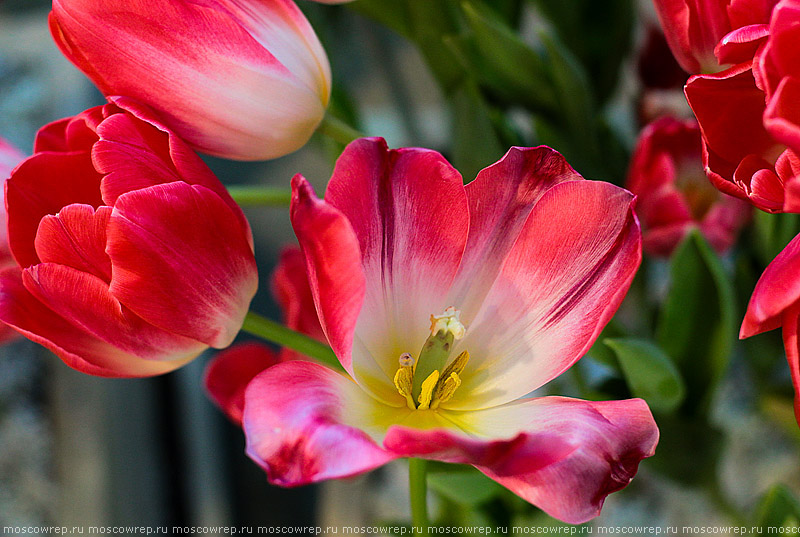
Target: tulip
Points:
(746, 114)
(778, 69)
(446, 305)
(240, 79)
(131, 256)
(228, 374)
(706, 36)
(674, 195)
(776, 303)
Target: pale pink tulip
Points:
(241, 79)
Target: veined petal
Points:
(230, 371)
(76, 237)
(409, 212)
(149, 51)
(333, 264)
(777, 291)
(608, 440)
(182, 261)
(43, 184)
(303, 423)
(75, 346)
(500, 200)
(84, 301)
(559, 285)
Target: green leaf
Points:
(649, 372)
(393, 15)
(772, 233)
(502, 62)
(778, 508)
(598, 34)
(466, 486)
(698, 322)
(475, 140)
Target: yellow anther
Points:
(404, 377)
(445, 390)
(426, 394)
(457, 365)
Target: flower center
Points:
(420, 381)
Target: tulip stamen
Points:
(425, 383)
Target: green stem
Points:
(264, 328)
(418, 485)
(257, 196)
(338, 130)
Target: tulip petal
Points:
(291, 289)
(500, 200)
(791, 322)
(560, 284)
(182, 261)
(609, 438)
(729, 108)
(149, 51)
(333, 263)
(302, 422)
(76, 347)
(76, 237)
(43, 184)
(409, 212)
(777, 290)
(782, 117)
(229, 373)
(84, 301)
(741, 44)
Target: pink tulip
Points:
(674, 194)
(707, 36)
(241, 79)
(509, 279)
(776, 302)
(132, 257)
(229, 373)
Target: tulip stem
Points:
(269, 330)
(418, 485)
(259, 196)
(337, 130)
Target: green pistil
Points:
(432, 357)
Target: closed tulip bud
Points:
(240, 79)
(131, 257)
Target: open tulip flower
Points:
(447, 304)
(132, 257)
(240, 79)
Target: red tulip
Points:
(748, 118)
(132, 257)
(708, 35)
(241, 79)
(674, 194)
